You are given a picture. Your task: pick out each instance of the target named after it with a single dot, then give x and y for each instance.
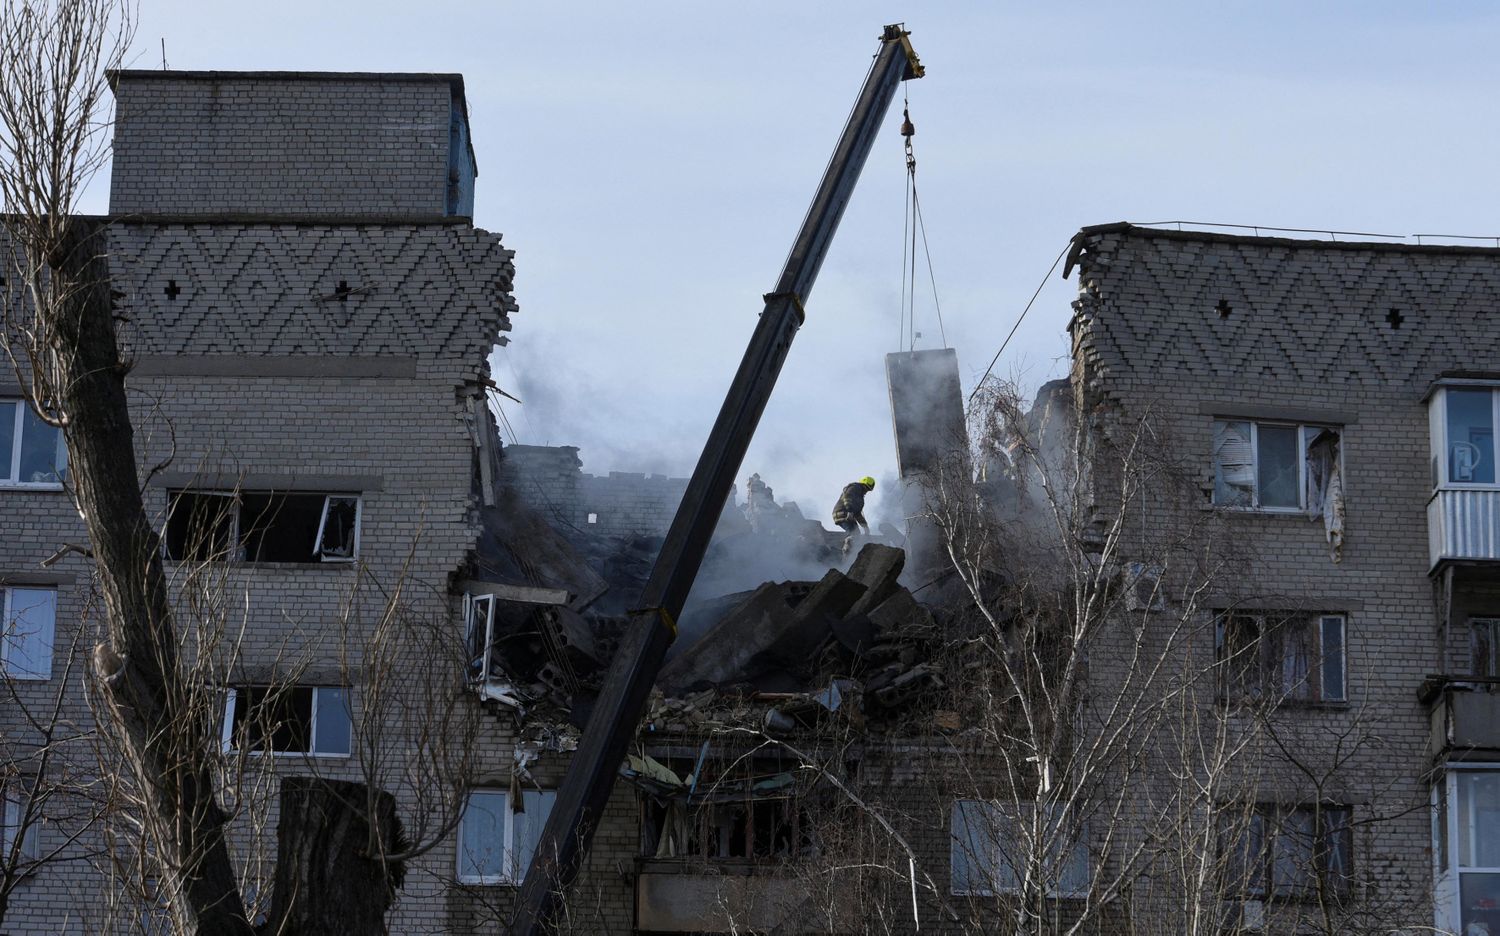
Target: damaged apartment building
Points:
(1299, 567)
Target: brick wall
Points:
(1192, 326)
(551, 479)
(290, 143)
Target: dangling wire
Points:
(906, 219)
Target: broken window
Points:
(31, 452)
(987, 846)
(262, 526)
(498, 834)
(288, 720)
(745, 809)
(479, 630)
(1277, 658)
(1275, 466)
(1278, 850)
(29, 619)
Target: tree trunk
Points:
(327, 881)
(137, 666)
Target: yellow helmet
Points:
(868, 482)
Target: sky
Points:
(650, 162)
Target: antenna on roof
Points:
(163, 53)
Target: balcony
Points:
(672, 896)
(1463, 525)
(1465, 716)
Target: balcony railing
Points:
(1463, 525)
(1465, 715)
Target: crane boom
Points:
(632, 673)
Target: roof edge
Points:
(1295, 243)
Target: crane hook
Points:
(908, 129)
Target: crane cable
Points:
(912, 225)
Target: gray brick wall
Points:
(1191, 325)
(289, 144)
(551, 479)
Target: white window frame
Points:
(508, 851)
(1448, 867)
(10, 824)
(472, 606)
(359, 515)
(12, 476)
(1001, 820)
(1306, 433)
(231, 698)
(1438, 429)
(7, 594)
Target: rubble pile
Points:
(782, 656)
(800, 651)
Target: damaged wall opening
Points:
(727, 809)
(261, 526)
(288, 720)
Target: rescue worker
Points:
(849, 512)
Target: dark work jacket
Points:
(851, 505)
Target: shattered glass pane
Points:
(1277, 454)
(1234, 464)
(337, 533)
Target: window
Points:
(1275, 850)
(497, 835)
(1273, 466)
(479, 630)
(10, 827)
(1469, 435)
(1473, 835)
(288, 720)
(262, 526)
(987, 853)
(1483, 634)
(32, 453)
(29, 617)
(1279, 657)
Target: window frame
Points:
(231, 697)
(6, 596)
(1004, 878)
(1449, 868)
(506, 877)
(1269, 821)
(10, 825)
(1306, 433)
(236, 534)
(1438, 430)
(1268, 679)
(11, 479)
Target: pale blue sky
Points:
(650, 161)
